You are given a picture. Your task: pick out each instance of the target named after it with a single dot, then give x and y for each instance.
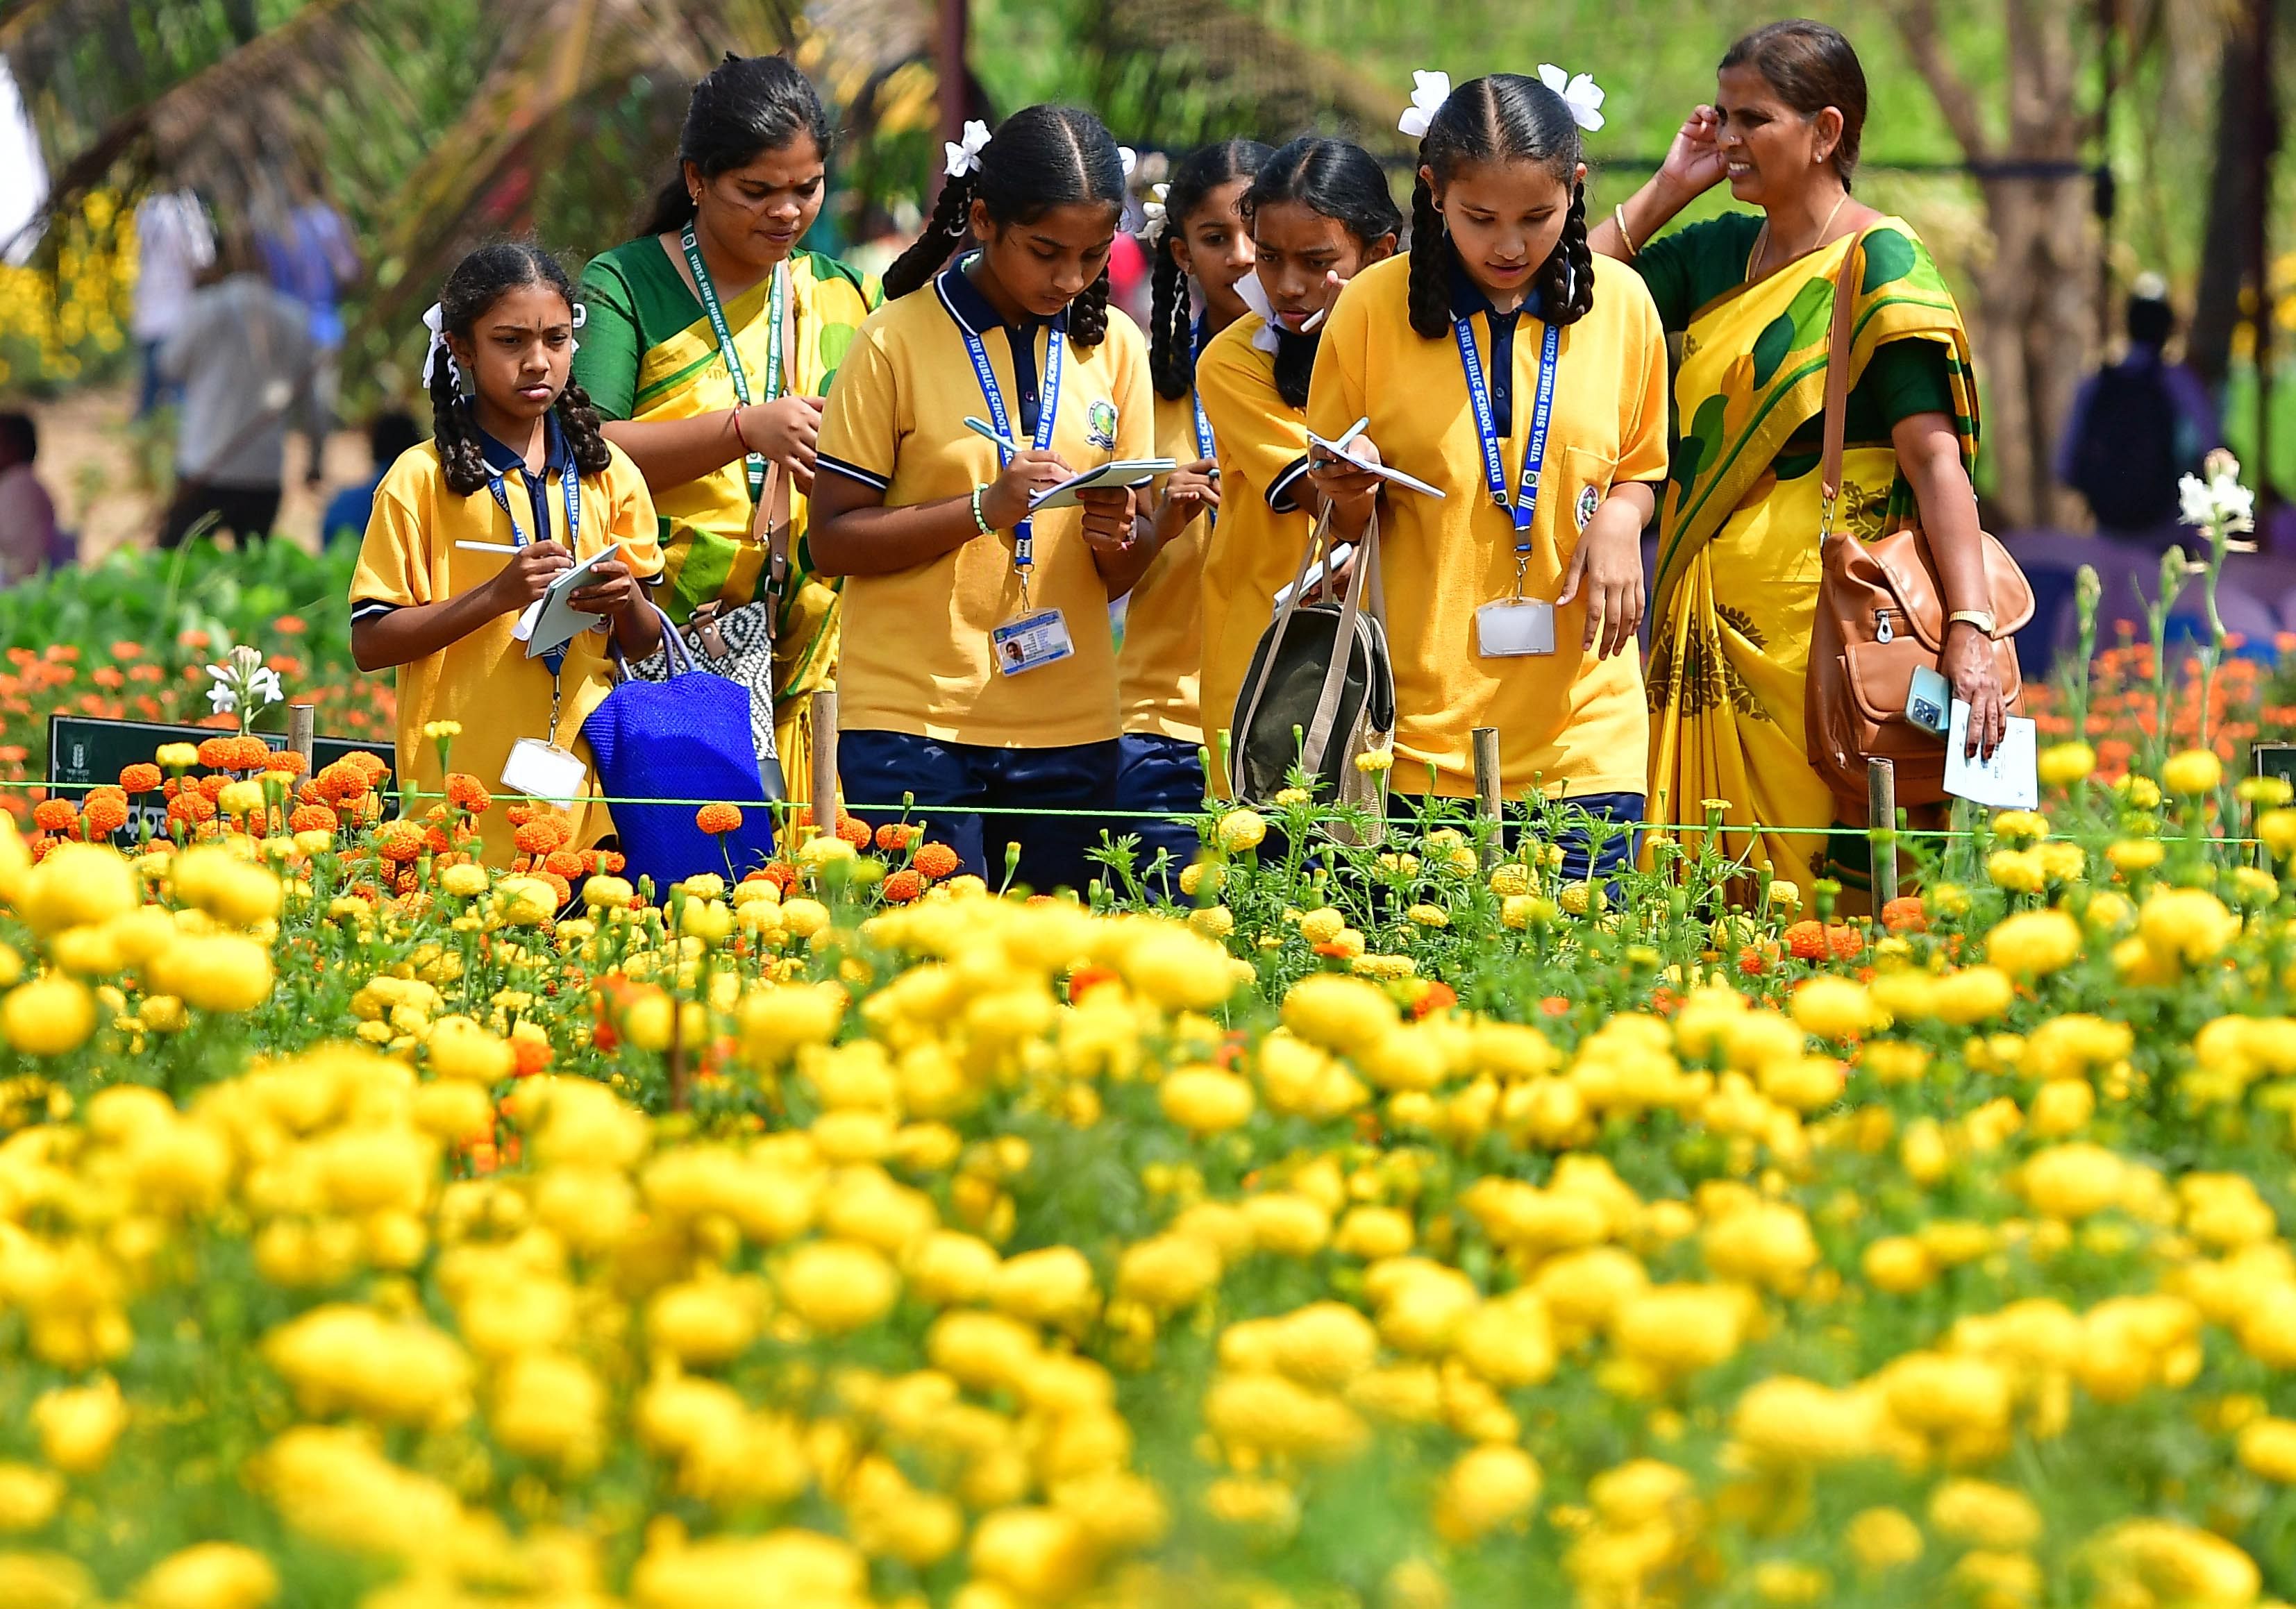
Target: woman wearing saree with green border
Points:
(683, 354)
(1737, 577)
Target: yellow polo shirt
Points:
(1254, 551)
(916, 650)
(485, 681)
(1163, 622)
(1567, 722)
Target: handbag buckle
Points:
(704, 622)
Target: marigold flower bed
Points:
(1398, 1226)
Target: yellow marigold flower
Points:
(608, 893)
(2268, 1448)
(28, 1496)
(2186, 925)
(1199, 876)
(177, 756)
(2019, 870)
(215, 972)
(2072, 1182)
(435, 730)
(2063, 1106)
(1213, 921)
(2133, 855)
(1168, 1273)
(2062, 765)
(1785, 895)
(48, 1015)
(1883, 1539)
(837, 1286)
(1203, 1101)
(1984, 1515)
(2278, 828)
(806, 917)
(1834, 1007)
(209, 1576)
(2022, 826)
(1424, 915)
(1251, 1502)
(1783, 1582)
(1509, 877)
(1898, 1264)
(823, 850)
(459, 1048)
(464, 882)
(1489, 1487)
(2170, 1562)
(2033, 944)
(2196, 771)
(79, 1424)
(1052, 1286)
(76, 885)
(1241, 829)
(242, 798)
(1322, 925)
(1372, 760)
(1288, 796)
(1177, 970)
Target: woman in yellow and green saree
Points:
(1752, 296)
(710, 340)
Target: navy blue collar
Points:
(1467, 298)
(1202, 332)
(556, 456)
(976, 312)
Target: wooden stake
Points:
(302, 732)
(1487, 791)
(1881, 829)
(824, 760)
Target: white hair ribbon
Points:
(581, 317)
(1153, 210)
(1255, 297)
(1579, 93)
(435, 322)
(1129, 158)
(965, 155)
(1429, 91)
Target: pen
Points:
(1312, 320)
(486, 547)
(982, 426)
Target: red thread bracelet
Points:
(747, 449)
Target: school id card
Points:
(1031, 641)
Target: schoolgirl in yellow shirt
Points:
(519, 466)
(979, 670)
(1505, 364)
(1320, 213)
(1197, 238)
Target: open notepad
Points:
(1384, 471)
(551, 621)
(1121, 472)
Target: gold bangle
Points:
(1619, 217)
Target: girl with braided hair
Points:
(517, 467)
(978, 670)
(1504, 363)
(1197, 238)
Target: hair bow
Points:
(965, 155)
(1580, 93)
(581, 317)
(1429, 91)
(1129, 158)
(1153, 210)
(435, 322)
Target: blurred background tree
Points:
(432, 124)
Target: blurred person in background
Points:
(311, 259)
(2137, 426)
(245, 359)
(28, 515)
(389, 433)
(173, 246)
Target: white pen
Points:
(487, 547)
(1312, 320)
(1339, 448)
(982, 426)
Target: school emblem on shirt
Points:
(1589, 500)
(1100, 425)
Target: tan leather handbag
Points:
(1880, 617)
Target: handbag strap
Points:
(675, 654)
(1316, 741)
(773, 517)
(1318, 535)
(1837, 385)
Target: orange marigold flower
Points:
(40, 847)
(1806, 941)
(539, 837)
(434, 839)
(1752, 962)
(561, 886)
(1084, 980)
(467, 791)
(313, 818)
(903, 886)
(192, 807)
(1844, 940)
(140, 778)
(286, 760)
(104, 816)
(218, 753)
(782, 875)
(531, 1055)
(564, 863)
(1435, 997)
(344, 782)
(370, 763)
(854, 832)
(894, 836)
(249, 752)
(289, 625)
(1905, 914)
(521, 812)
(55, 815)
(613, 862)
(936, 860)
(718, 820)
(209, 786)
(400, 841)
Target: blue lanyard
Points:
(556, 657)
(1205, 447)
(1024, 551)
(1542, 412)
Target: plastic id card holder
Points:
(1026, 642)
(1514, 628)
(544, 771)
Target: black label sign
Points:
(83, 753)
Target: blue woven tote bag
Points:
(687, 738)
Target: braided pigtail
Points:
(1088, 314)
(1431, 261)
(1171, 341)
(944, 232)
(586, 438)
(1578, 296)
(457, 438)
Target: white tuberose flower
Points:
(1429, 91)
(1579, 93)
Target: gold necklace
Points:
(1762, 241)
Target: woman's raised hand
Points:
(1694, 162)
